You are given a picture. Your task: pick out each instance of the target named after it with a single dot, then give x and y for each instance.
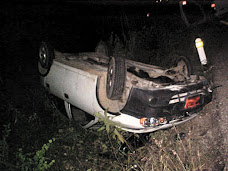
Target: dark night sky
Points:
(70, 24)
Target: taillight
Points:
(192, 102)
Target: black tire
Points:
(184, 63)
(46, 56)
(103, 48)
(116, 77)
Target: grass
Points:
(77, 149)
(74, 148)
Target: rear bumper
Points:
(166, 102)
(159, 127)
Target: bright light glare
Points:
(184, 2)
(212, 5)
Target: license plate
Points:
(193, 101)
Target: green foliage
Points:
(115, 138)
(111, 129)
(38, 161)
(166, 150)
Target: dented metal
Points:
(150, 91)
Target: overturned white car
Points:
(137, 97)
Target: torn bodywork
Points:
(137, 97)
(150, 91)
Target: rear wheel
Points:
(116, 77)
(183, 63)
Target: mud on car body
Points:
(137, 97)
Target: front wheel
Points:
(46, 56)
(103, 48)
(116, 77)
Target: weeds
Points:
(38, 162)
(163, 150)
(170, 153)
(111, 129)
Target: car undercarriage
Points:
(148, 95)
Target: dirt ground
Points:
(221, 78)
(220, 109)
(210, 128)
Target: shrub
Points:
(37, 162)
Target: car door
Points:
(79, 89)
